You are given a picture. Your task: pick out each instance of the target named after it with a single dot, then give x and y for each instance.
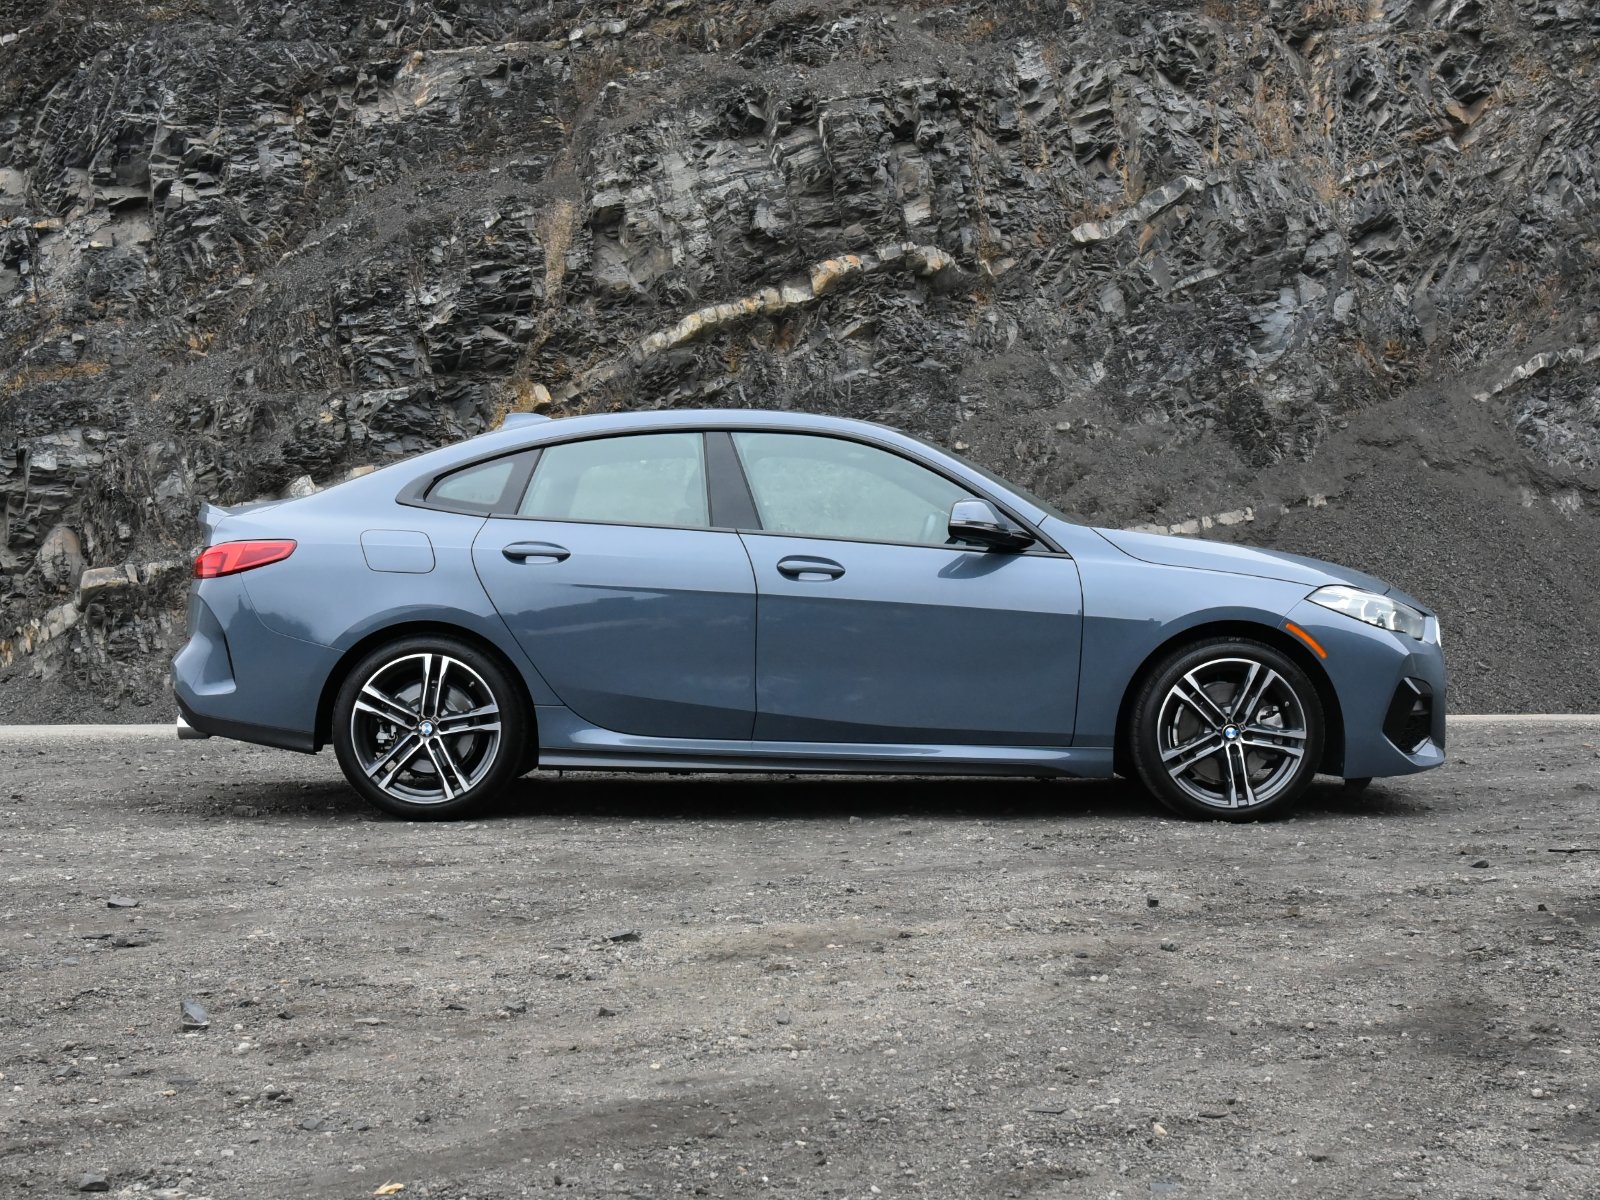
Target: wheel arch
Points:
(392, 633)
(1296, 651)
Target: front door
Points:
(638, 616)
(873, 628)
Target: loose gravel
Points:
(796, 987)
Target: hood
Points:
(1169, 551)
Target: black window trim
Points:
(726, 497)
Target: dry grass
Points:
(557, 226)
(29, 376)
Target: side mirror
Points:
(980, 522)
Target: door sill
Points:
(568, 743)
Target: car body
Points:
(767, 591)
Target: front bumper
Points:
(1391, 692)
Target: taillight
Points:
(229, 558)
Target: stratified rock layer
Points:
(1321, 274)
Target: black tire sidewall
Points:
(513, 727)
(1145, 749)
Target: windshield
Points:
(999, 481)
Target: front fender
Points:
(1132, 608)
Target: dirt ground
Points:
(797, 987)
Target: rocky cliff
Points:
(1323, 274)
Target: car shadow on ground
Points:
(820, 798)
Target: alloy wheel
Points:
(425, 728)
(1231, 733)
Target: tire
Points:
(1189, 751)
(429, 728)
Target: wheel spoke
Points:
(473, 720)
(1180, 758)
(385, 707)
(1272, 731)
(1239, 793)
(462, 782)
(1287, 751)
(396, 759)
(446, 767)
(426, 703)
(1250, 697)
(1195, 697)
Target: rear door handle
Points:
(536, 552)
(800, 567)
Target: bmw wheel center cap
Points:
(426, 729)
(1231, 732)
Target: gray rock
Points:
(94, 1181)
(624, 935)
(121, 902)
(1079, 239)
(193, 1016)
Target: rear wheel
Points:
(1227, 728)
(429, 728)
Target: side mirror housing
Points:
(981, 523)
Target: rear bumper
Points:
(1391, 691)
(236, 678)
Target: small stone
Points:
(244, 810)
(624, 935)
(193, 1016)
(1151, 902)
(855, 820)
(128, 941)
(370, 1021)
(94, 1181)
(1537, 1093)
(606, 1012)
(518, 1007)
(312, 1124)
(121, 902)
(1159, 1129)
(1482, 862)
(783, 1018)
(1169, 945)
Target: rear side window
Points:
(641, 479)
(480, 486)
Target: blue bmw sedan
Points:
(759, 591)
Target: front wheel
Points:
(1227, 728)
(429, 728)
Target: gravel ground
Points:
(687, 986)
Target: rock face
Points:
(1321, 273)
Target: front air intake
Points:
(1409, 721)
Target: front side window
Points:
(640, 479)
(831, 488)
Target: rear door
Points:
(636, 611)
(872, 627)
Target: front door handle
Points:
(536, 552)
(800, 567)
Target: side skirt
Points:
(568, 743)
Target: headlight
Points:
(1372, 608)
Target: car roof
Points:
(563, 429)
